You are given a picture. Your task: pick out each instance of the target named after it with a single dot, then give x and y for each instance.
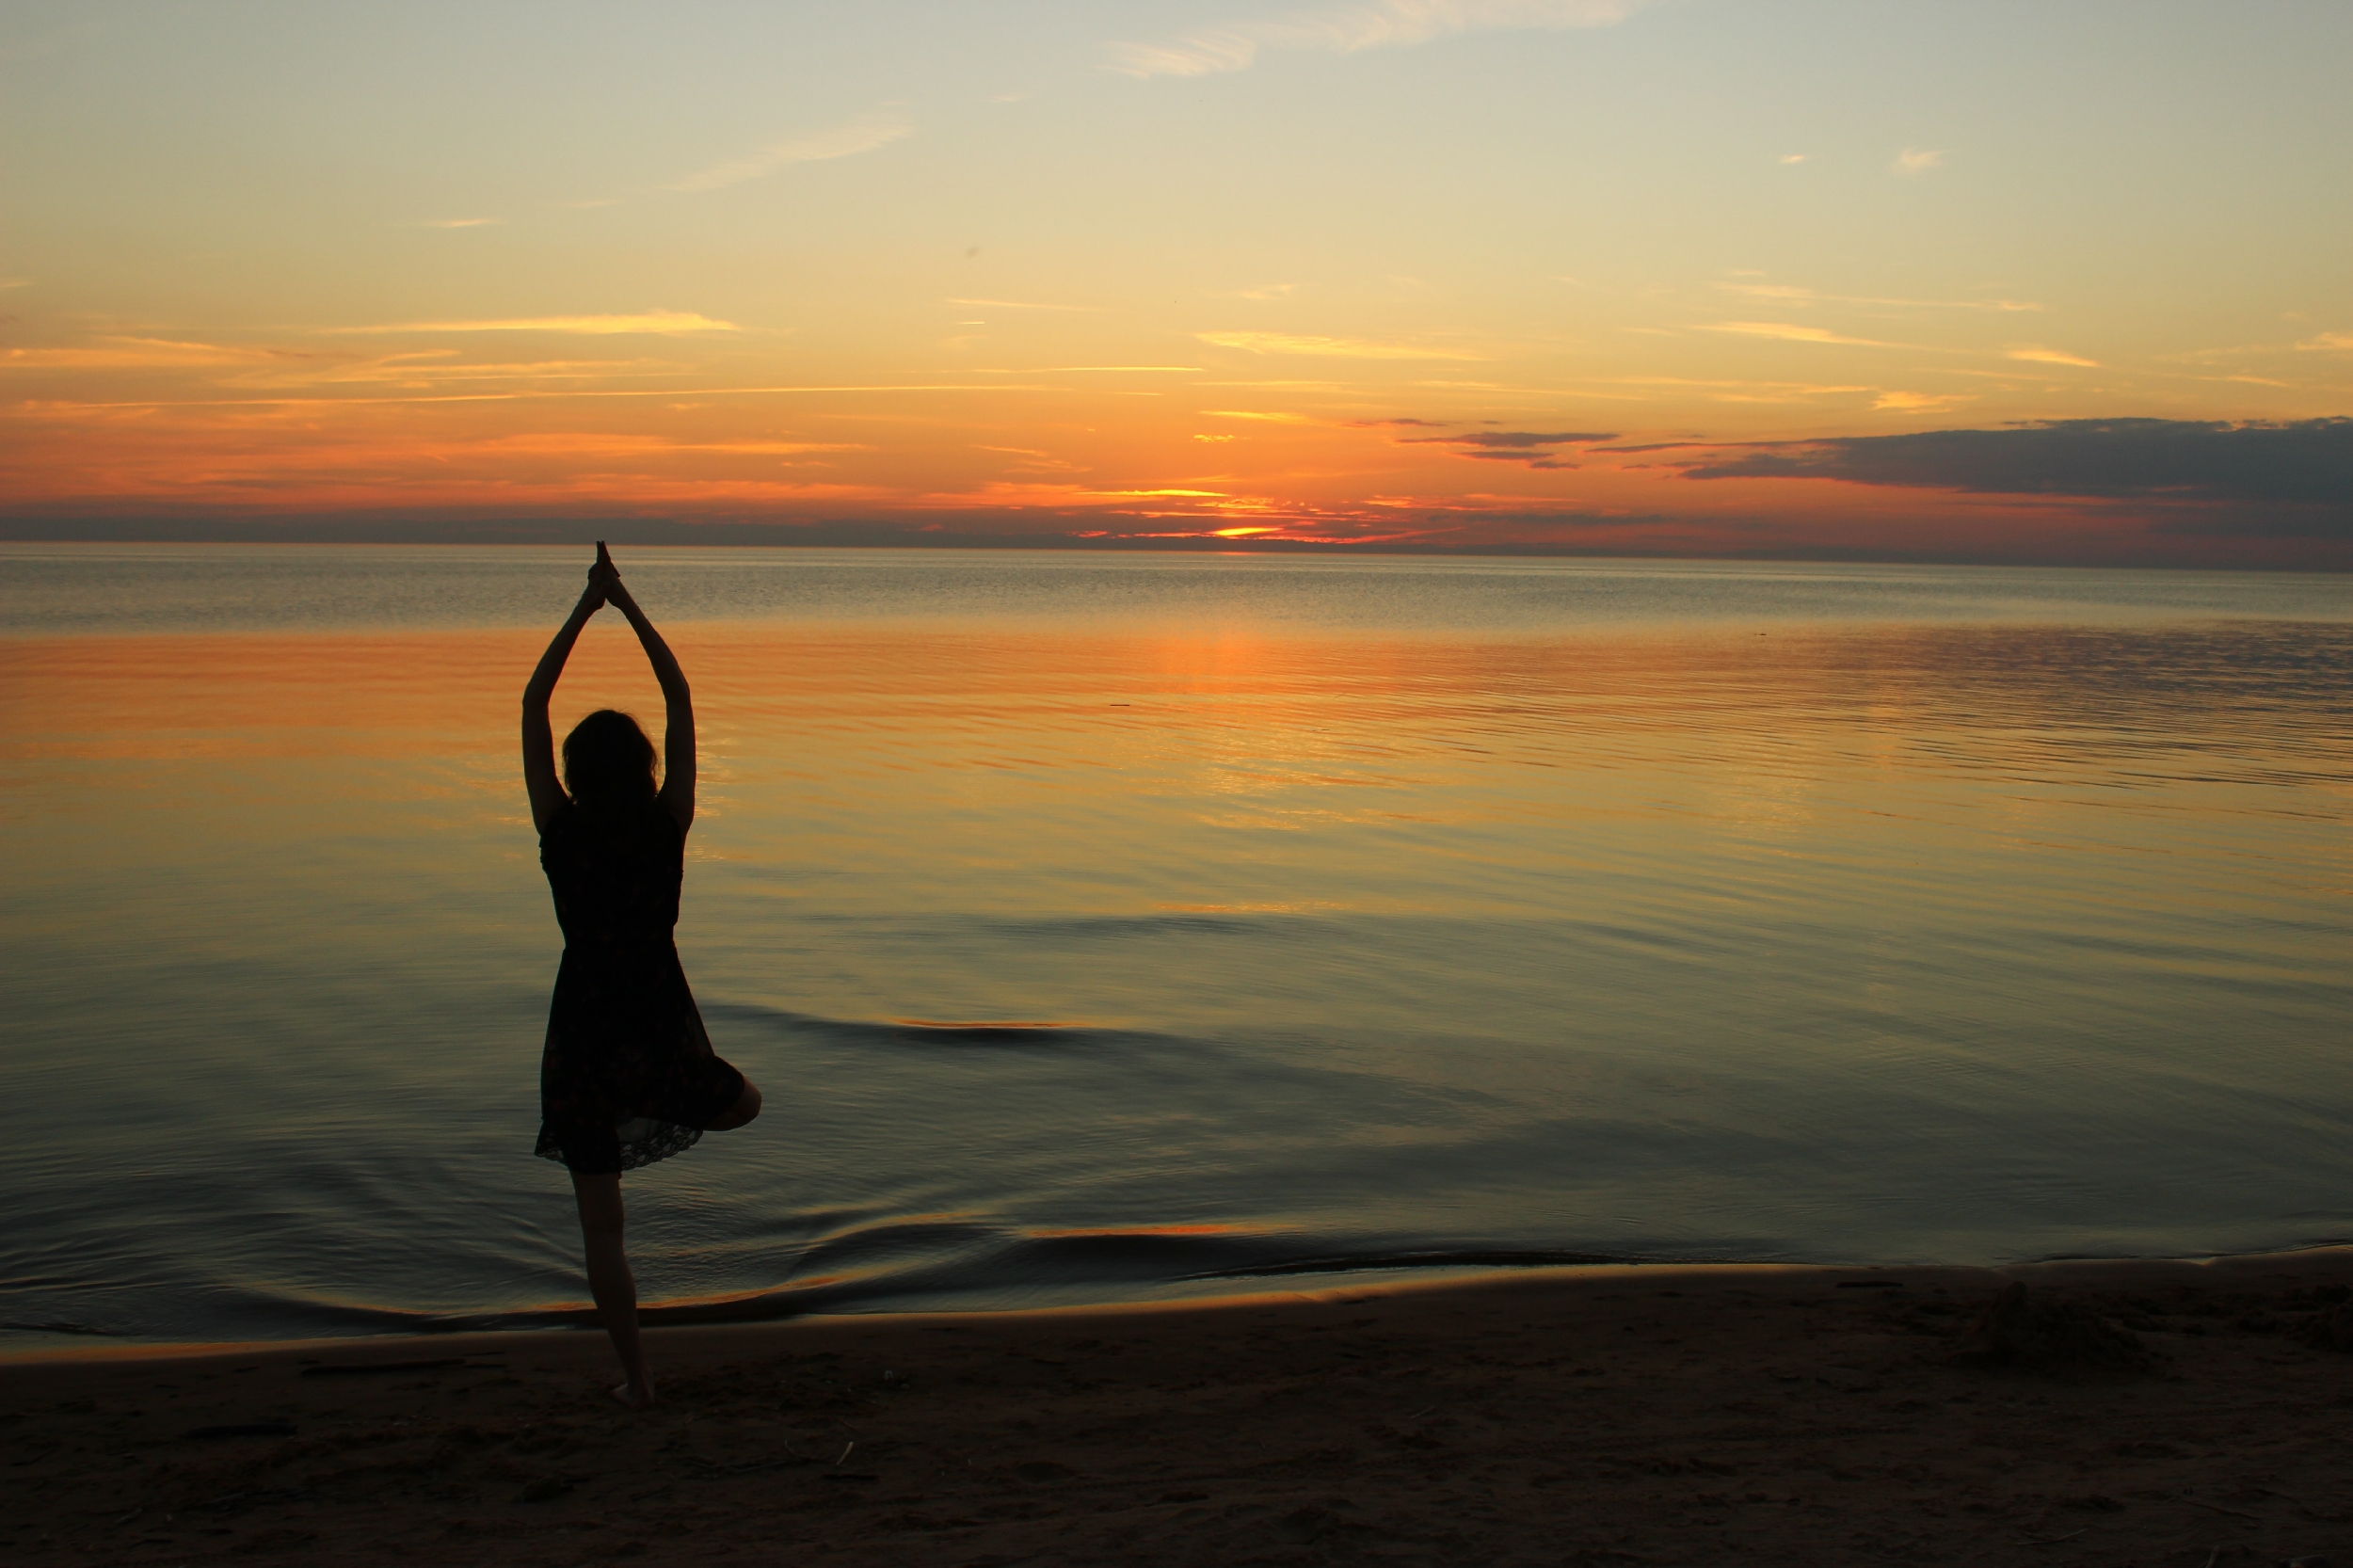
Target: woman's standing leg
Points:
(610, 1283)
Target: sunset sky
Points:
(2066, 280)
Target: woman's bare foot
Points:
(634, 1397)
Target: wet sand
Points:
(1647, 1416)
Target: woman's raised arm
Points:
(678, 740)
(548, 798)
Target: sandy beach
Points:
(2180, 1413)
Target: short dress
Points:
(627, 1076)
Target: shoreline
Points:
(1625, 1414)
(2326, 1261)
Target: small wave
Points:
(63, 1327)
(1006, 1032)
(931, 1265)
(1114, 928)
(1357, 1263)
(947, 1266)
(924, 1032)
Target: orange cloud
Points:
(1788, 331)
(136, 354)
(2050, 357)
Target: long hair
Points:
(608, 762)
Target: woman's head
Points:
(608, 762)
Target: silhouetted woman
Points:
(627, 1076)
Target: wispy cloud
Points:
(1916, 403)
(1511, 438)
(679, 396)
(1737, 391)
(1788, 331)
(2338, 341)
(1069, 370)
(1033, 460)
(1790, 294)
(862, 134)
(1917, 160)
(2050, 357)
(1246, 413)
(440, 368)
(1016, 494)
(600, 443)
(1793, 157)
(1345, 29)
(1337, 348)
(457, 223)
(124, 353)
(15, 282)
(667, 323)
(1019, 305)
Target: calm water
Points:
(1288, 912)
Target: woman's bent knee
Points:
(746, 1106)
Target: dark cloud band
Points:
(2296, 462)
(1535, 448)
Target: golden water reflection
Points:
(1863, 941)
